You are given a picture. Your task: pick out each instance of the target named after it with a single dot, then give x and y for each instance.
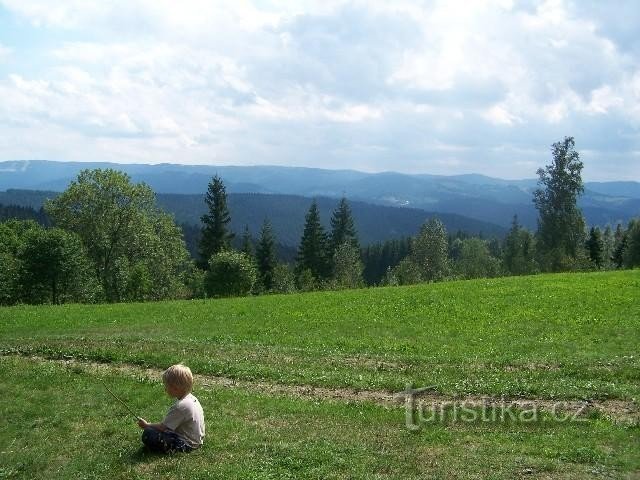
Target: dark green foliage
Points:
(608, 245)
(312, 252)
(19, 212)
(631, 254)
(230, 274)
(375, 223)
(495, 247)
(595, 247)
(560, 236)
(378, 258)
(455, 248)
(9, 278)
(54, 268)
(266, 258)
(344, 249)
(191, 234)
(246, 245)
(619, 246)
(43, 265)
(215, 231)
(518, 255)
(11, 242)
(342, 227)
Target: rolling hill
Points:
(480, 197)
(374, 223)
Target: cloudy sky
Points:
(425, 87)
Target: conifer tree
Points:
(216, 235)
(631, 252)
(266, 258)
(595, 247)
(608, 244)
(312, 251)
(342, 227)
(246, 246)
(619, 246)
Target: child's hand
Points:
(142, 423)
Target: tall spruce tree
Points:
(595, 247)
(266, 257)
(342, 227)
(216, 235)
(560, 236)
(619, 246)
(312, 252)
(631, 253)
(246, 246)
(608, 244)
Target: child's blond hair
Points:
(179, 376)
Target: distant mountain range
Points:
(479, 197)
(375, 223)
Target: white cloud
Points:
(395, 84)
(499, 115)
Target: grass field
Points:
(570, 336)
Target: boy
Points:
(182, 430)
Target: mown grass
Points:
(549, 336)
(59, 422)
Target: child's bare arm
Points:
(142, 423)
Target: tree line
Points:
(110, 242)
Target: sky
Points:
(441, 87)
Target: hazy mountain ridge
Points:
(487, 199)
(375, 223)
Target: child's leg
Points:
(164, 442)
(152, 438)
(176, 443)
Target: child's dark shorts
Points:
(165, 442)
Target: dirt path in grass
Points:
(616, 410)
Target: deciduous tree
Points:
(126, 235)
(560, 236)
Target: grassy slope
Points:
(560, 335)
(564, 336)
(60, 423)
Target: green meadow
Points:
(562, 337)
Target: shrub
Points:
(230, 274)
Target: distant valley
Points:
(491, 202)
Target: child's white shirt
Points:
(186, 418)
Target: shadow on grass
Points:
(144, 455)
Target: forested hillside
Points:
(480, 197)
(375, 223)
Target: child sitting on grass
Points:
(182, 429)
